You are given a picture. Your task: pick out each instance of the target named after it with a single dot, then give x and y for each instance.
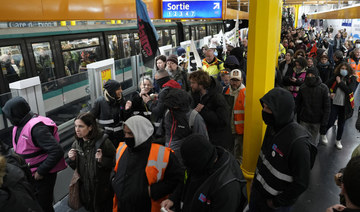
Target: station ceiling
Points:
(234, 4)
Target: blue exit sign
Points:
(192, 9)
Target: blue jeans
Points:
(258, 203)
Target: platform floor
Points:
(322, 191)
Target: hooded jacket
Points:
(215, 181)
(176, 121)
(130, 182)
(313, 103)
(17, 110)
(216, 114)
(287, 149)
(111, 114)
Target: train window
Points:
(173, 37)
(12, 63)
(160, 41)
(82, 43)
(202, 32)
(167, 38)
(126, 45)
(45, 67)
(113, 47)
(78, 53)
(187, 33)
(214, 30)
(193, 33)
(137, 43)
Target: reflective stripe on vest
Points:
(266, 186)
(239, 111)
(155, 169)
(274, 171)
(114, 129)
(110, 121)
(33, 155)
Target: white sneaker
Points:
(338, 144)
(323, 139)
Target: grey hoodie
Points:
(141, 128)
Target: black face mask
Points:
(268, 118)
(310, 80)
(162, 81)
(130, 142)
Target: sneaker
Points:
(323, 139)
(338, 144)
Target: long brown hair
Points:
(89, 120)
(348, 68)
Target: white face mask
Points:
(343, 72)
(357, 45)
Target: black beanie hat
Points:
(312, 71)
(198, 153)
(111, 86)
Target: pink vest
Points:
(25, 145)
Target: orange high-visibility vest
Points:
(355, 67)
(239, 111)
(155, 169)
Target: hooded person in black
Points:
(17, 110)
(111, 110)
(215, 181)
(313, 105)
(212, 106)
(286, 156)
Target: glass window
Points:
(167, 38)
(78, 53)
(214, 30)
(45, 67)
(173, 37)
(193, 33)
(113, 47)
(186, 32)
(160, 41)
(126, 45)
(202, 32)
(137, 43)
(12, 63)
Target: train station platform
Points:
(322, 191)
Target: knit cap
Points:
(111, 86)
(172, 58)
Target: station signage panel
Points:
(172, 9)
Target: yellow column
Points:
(264, 34)
(296, 15)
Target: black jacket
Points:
(348, 85)
(216, 114)
(16, 193)
(325, 70)
(223, 188)
(111, 115)
(95, 188)
(287, 149)
(42, 135)
(139, 107)
(130, 183)
(313, 103)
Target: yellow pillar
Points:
(264, 33)
(296, 15)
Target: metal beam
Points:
(343, 13)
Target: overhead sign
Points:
(191, 9)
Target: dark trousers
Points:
(44, 190)
(337, 112)
(258, 203)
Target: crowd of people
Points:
(177, 143)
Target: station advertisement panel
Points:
(173, 9)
